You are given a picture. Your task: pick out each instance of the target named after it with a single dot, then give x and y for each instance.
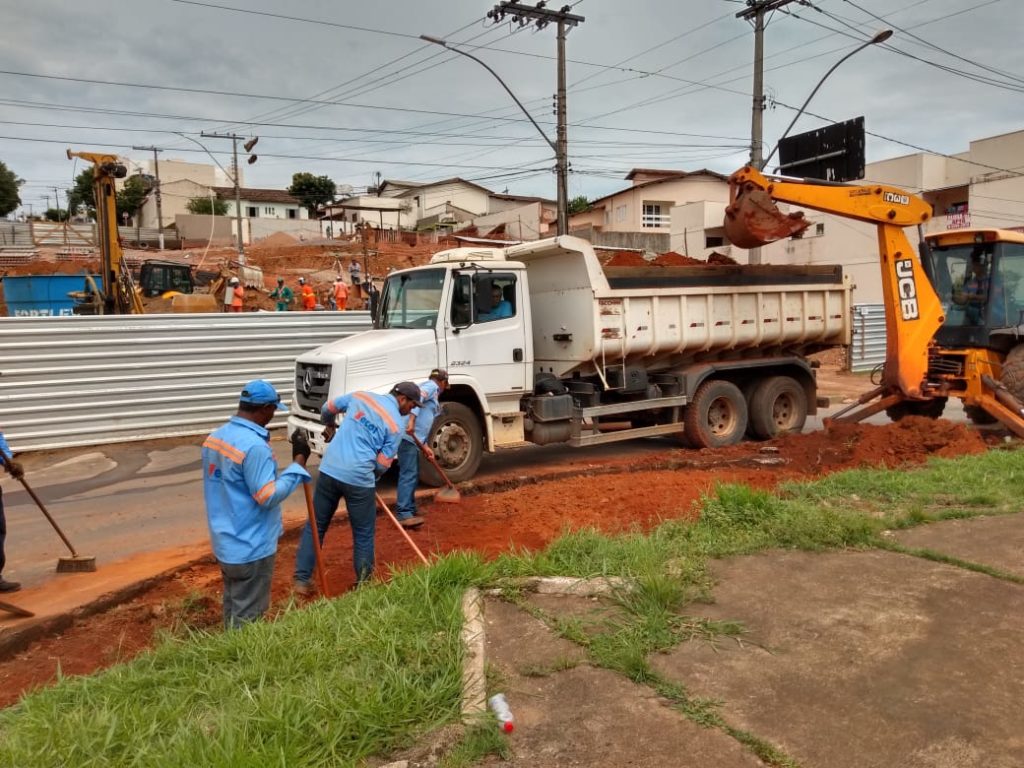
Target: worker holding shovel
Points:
(14, 468)
(415, 438)
(358, 452)
(243, 493)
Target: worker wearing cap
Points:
(358, 451)
(307, 294)
(243, 493)
(340, 294)
(283, 295)
(14, 468)
(420, 421)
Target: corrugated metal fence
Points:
(868, 348)
(74, 381)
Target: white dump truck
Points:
(543, 345)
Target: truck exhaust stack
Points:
(753, 219)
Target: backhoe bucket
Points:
(752, 219)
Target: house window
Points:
(253, 212)
(269, 210)
(293, 213)
(655, 215)
(819, 228)
(711, 241)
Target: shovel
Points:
(447, 495)
(74, 564)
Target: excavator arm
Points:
(119, 295)
(913, 310)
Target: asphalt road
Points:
(121, 500)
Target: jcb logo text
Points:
(892, 197)
(906, 286)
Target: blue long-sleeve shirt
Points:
(243, 491)
(367, 438)
(5, 449)
(429, 395)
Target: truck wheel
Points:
(930, 409)
(717, 415)
(778, 405)
(1013, 372)
(979, 415)
(458, 445)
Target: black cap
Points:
(439, 374)
(408, 389)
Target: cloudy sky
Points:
(347, 89)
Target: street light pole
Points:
(881, 37)
(234, 178)
(159, 207)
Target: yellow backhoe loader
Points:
(954, 312)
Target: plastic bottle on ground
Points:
(499, 705)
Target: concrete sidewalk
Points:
(856, 659)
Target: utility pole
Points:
(541, 16)
(234, 178)
(56, 201)
(756, 10)
(156, 189)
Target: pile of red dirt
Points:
(721, 258)
(673, 259)
(627, 259)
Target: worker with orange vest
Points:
(307, 295)
(233, 296)
(340, 294)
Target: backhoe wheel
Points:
(778, 405)
(979, 415)
(1013, 372)
(458, 444)
(930, 409)
(717, 415)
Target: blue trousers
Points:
(362, 517)
(3, 534)
(246, 590)
(408, 479)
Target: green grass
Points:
(371, 672)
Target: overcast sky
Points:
(653, 83)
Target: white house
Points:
(263, 203)
(449, 201)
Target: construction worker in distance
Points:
(243, 493)
(358, 452)
(418, 426)
(307, 294)
(283, 295)
(15, 470)
(340, 294)
(234, 295)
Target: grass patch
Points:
(369, 673)
(478, 742)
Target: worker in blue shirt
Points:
(16, 471)
(420, 421)
(500, 307)
(358, 451)
(243, 493)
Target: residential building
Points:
(380, 212)
(449, 201)
(519, 217)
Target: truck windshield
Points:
(411, 299)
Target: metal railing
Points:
(76, 381)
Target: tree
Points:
(52, 214)
(203, 206)
(9, 183)
(80, 197)
(313, 191)
(579, 204)
(131, 197)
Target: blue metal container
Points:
(43, 295)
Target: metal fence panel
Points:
(867, 351)
(75, 381)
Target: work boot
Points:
(304, 588)
(9, 586)
(412, 522)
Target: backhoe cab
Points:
(954, 314)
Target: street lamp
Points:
(561, 161)
(881, 37)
